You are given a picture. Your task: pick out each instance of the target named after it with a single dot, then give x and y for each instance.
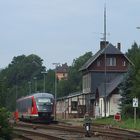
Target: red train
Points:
(36, 107)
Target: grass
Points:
(124, 123)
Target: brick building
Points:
(62, 71)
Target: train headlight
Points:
(37, 106)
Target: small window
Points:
(111, 61)
(74, 105)
(124, 63)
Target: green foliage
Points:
(127, 123)
(64, 88)
(130, 87)
(50, 80)
(74, 76)
(74, 82)
(136, 85)
(126, 89)
(15, 78)
(5, 129)
(134, 56)
(133, 53)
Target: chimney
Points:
(102, 44)
(119, 46)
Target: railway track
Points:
(67, 132)
(49, 134)
(106, 130)
(32, 134)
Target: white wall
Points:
(114, 104)
(101, 107)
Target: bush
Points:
(128, 111)
(5, 128)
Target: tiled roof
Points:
(62, 69)
(110, 49)
(91, 60)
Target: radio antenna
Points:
(105, 59)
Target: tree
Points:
(130, 86)
(15, 78)
(5, 129)
(133, 52)
(50, 80)
(74, 81)
(134, 56)
(125, 91)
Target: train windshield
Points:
(43, 100)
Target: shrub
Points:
(128, 111)
(5, 128)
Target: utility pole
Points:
(55, 97)
(35, 78)
(44, 73)
(29, 87)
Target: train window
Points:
(43, 100)
(23, 105)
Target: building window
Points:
(86, 83)
(74, 105)
(111, 61)
(124, 63)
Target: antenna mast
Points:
(105, 24)
(105, 59)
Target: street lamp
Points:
(44, 72)
(35, 78)
(55, 97)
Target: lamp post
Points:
(55, 97)
(35, 78)
(44, 72)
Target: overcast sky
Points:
(63, 30)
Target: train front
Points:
(45, 106)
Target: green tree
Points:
(5, 129)
(50, 81)
(15, 78)
(130, 87)
(134, 56)
(125, 91)
(74, 81)
(64, 88)
(132, 52)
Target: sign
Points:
(135, 102)
(117, 117)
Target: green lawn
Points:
(124, 123)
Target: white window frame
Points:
(124, 63)
(111, 61)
